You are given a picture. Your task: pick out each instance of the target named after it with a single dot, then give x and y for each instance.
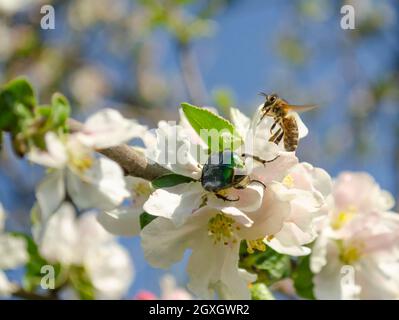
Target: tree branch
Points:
(22, 293)
(132, 162)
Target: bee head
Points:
(271, 99)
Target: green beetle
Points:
(224, 170)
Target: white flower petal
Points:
(54, 157)
(176, 203)
(240, 121)
(123, 222)
(108, 128)
(213, 268)
(102, 186)
(13, 251)
(164, 244)
(110, 270)
(176, 152)
(6, 287)
(50, 193)
(60, 238)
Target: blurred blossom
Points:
(89, 85)
(13, 6)
(362, 233)
(13, 254)
(169, 291)
(81, 241)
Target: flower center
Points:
(81, 162)
(221, 228)
(350, 254)
(288, 181)
(257, 244)
(142, 189)
(343, 217)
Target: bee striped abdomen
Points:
(291, 134)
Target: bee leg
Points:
(224, 198)
(274, 137)
(273, 126)
(278, 139)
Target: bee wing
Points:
(300, 108)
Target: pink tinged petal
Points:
(276, 170)
(360, 190)
(268, 219)
(108, 128)
(377, 282)
(176, 203)
(290, 240)
(247, 200)
(123, 222)
(102, 186)
(145, 295)
(50, 193)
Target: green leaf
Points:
(146, 218)
(259, 291)
(17, 101)
(277, 265)
(303, 278)
(60, 110)
(81, 283)
(270, 266)
(217, 132)
(170, 180)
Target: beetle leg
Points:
(260, 182)
(256, 158)
(219, 196)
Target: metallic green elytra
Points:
(222, 171)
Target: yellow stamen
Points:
(343, 217)
(142, 189)
(221, 228)
(81, 162)
(288, 181)
(257, 244)
(350, 254)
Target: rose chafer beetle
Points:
(224, 170)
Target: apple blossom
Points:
(359, 233)
(81, 241)
(282, 215)
(169, 291)
(13, 254)
(76, 172)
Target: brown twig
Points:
(22, 293)
(132, 161)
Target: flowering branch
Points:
(132, 162)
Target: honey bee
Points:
(279, 110)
